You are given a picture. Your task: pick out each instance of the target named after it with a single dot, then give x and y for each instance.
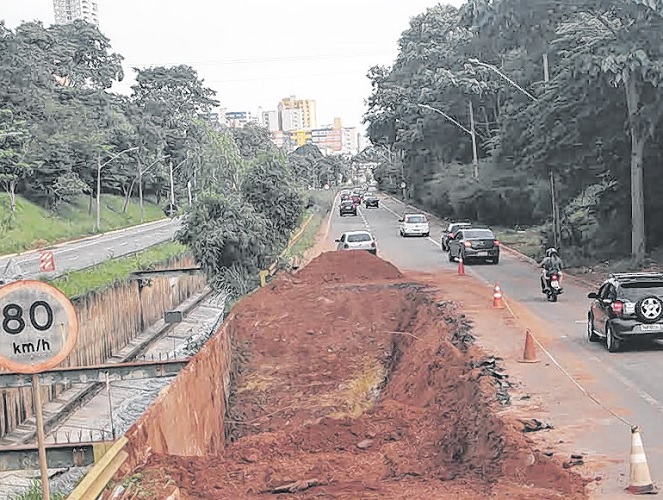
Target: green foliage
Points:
(79, 283)
(271, 189)
(606, 64)
(32, 226)
(33, 492)
(223, 231)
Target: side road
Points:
(86, 252)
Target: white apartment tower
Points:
(67, 11)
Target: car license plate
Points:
(482, 254)
(650, 328)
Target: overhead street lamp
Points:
(141, 172)
(99, 167)
(553, 188)
(471, 131)
(493, 68)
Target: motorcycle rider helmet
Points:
(553, 251)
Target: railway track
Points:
(89, 413)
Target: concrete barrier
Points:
(187, 417)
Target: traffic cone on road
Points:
(461, 267)
(640, 481)
(529, 354)
(497, 297)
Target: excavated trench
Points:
(351, 381)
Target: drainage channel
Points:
(115, 408)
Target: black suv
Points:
(347, 207)
(627, 305)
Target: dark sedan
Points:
(474, 244)
(347, 207)
(371, 201)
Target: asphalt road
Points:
(88, 252)
(627, 382)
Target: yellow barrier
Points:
(96, 480)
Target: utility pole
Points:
(546, 71)
(172, 186)
(475, 157)
(98, 225)
(99, 167)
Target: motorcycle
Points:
(554, 288)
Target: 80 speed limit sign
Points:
(38, 327)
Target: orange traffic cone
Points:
(640, 482)
(529, 354)
(497, 297)
(461, 267)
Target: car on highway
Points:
(356, 198)
(347, 207)
(414, 225)
(450, 232)
(371, 201)
(625, 307)
(357, 240)
(474, 243)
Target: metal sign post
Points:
(38, 330)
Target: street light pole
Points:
(99, 167)
(471, 131)
(475, 156)
(557, 230)
(493, 68)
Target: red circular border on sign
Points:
(72, 318)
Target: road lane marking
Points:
(437, 244)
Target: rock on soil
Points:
(349, 386)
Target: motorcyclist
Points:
(552, 263)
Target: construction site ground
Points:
(359, 381)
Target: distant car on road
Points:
(473, 243)
(357, 240)
(356, 198)
(414, 225)
(347, 207)
(627, 306)
(450, 232)
(370, 200)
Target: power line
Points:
(222, 62)
(281, 77)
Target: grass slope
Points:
(33, 227)
(78, 283)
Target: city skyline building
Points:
(68, 11)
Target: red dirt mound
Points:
(360, 390)
(348, 267)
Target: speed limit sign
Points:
(38, 327)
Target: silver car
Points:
(414, 225)
(357, 240)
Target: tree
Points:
(16, 161)
(622, 41)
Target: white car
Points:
(357, 240)
(414, 225)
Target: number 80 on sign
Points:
(38, 327)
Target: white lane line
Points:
(622, 378)
(436, 243)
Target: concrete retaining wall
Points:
(187, 418)
(109, 320)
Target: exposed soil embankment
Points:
(355, 383)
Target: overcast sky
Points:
(255, 52)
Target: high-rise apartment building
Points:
(67, 11)
(306, 106)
